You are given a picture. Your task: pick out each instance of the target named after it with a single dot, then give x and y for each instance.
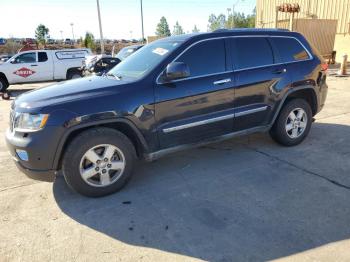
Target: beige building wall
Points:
(311, 9)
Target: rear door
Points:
(259, 80)
(44, 66)
(200, 106)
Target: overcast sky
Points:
(120, 18)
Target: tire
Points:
(287, 132)
(74, 74)
(89, 144)
(3, 84)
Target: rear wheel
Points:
(293, 123)
(98, 162)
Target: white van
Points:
(42, 65)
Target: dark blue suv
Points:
(172, 94)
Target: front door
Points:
(200, 106)
(23, 68)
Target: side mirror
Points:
(177, 70)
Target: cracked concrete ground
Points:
(243, 199)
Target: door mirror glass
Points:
(177, 70)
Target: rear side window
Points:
(42, 56)
(207, 57)
(251, 52)
(290, 50)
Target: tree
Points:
(216, 22)
(163, 28)
(178, 29)
(195, 29)
(89, 41)
(41, 33)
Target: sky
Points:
(120, 18)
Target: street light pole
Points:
(71, 24)
(100, 24)
(143, 33)
(228, 17)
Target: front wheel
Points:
(293, 123)
(98, 162)
(3, 84)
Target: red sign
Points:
(24, 72)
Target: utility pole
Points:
(143, 33)
(71, 24)
(61, 34)
(99, 21)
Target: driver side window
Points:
(204, 58)
(26, 58)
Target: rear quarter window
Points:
(290, 49)
(250, 52)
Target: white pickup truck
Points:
(42, 65)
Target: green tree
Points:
(178, 30)
(216, 22)
(41, 33)
(195, 29)
(163, 28)
(89, 41)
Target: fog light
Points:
(22, 154)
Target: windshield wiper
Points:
(115, 76)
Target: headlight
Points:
(26, 122)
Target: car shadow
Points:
(242, 199)
(14, 92)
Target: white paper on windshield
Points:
(160, 51)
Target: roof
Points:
(228, 32)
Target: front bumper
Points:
(41, 175)
(40, 147)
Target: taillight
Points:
(324, 66)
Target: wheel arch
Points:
(3, 76)
(72, 69)
(307, 93)
(123, 125)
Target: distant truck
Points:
(42, 65)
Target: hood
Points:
(68, 91)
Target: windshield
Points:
(144, 60)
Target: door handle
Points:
(33, 65)
(222, 81)
(280, 71)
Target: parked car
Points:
(4, 58)
(98, 64)
(68, 41)
(172, 94)
(2, 41)
(42, 65)
(127, 51)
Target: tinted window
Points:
(251, 52)
(42, 56)
(207, 57)
(290, 49)
(26, 58)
